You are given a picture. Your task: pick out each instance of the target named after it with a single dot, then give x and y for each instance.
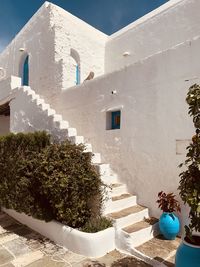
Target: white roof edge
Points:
(155, 12)
(67, 13)
(31, 20)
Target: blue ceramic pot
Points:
(187, 255)
(169, 225)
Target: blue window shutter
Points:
(26, 72)
(115, 119)
(77, 74)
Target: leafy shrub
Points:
(48, 181)
(189, 185)
(97, 224)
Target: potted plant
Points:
(168, 223)
(188, 254)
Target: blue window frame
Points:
(25, 80)
(115, 119)
(77, 74)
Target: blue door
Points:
(25, 80)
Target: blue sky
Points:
(105, 15)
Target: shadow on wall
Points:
(4, 119)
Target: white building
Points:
(142, 74)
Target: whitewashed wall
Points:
(37, 37)
(155, 126)
(171, 24)
(4, 124)
(48, 39)
(88, 42)
(7, 86)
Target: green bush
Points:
(97, 224)
(48, 181)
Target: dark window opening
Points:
(113, 120)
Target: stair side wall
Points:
(27, 116)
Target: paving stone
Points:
(47, 262)
(90, 263)
(12, 228)
(6, 237)
(5, 256)
(49, 248)
(6, 224)
(7, 221)
(17, 247)
(33, 244)
(130, 262)
(8, 265)
(26, 259)
(71, 257)
(170, 262)
(110, 257)
(22, 231)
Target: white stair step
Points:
(36, 96)
(96, 158)
(24, 88)
(38, 101)
(109, 179)
(76, 139)
(103, 169)
(118, 189)
(141, 232)
(30, 93)
(57, 117)
(88, 148)
(44, 106)
(50, 111)
(28, 90)
(71, 132)
(121, 202)
(129, 216)
(62, 124)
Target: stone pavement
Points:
(20, 246)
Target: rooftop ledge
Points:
(150, 15)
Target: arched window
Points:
(77, 74)
(74, 54)
(25, 76)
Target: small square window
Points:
(113, 120)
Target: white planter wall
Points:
(88, 244)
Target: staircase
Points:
(132, 223)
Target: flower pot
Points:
(187, 255)
(169, 225)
